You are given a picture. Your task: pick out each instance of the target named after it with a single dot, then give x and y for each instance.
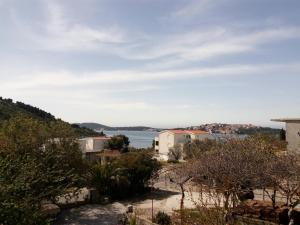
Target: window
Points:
(156, 143)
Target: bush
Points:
(127, 175)
(118, 142)
(132, 220)
(162, 218)
(35, 167)
(200, 215)
(172, 161)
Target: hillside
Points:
(9, 108)
(98, 126)
(261, 130)
(242, 129)
(94, 126)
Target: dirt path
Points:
(92, 215)
(109, 214)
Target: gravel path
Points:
(92, 215)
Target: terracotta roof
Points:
(178, 131)
(198, 132)
(101, 138)
(187, 131)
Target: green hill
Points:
(9, 108)
(98, 126)
(261, 130)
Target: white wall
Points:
(89, 145)
(92, 144)
(82, 144)
(99, 144)
(166, 141)
(293, 136)
(181, 139)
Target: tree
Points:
(23, 134)
(195, 148)
(286, 174)
(35, 167)
(175, 153)
(180, 175)
(9, 109)
(225, 169)
(282, 135)
(267, 143)
(118, 142)
(138, 167)
(127, 175)
(235, 166)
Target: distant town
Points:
(215, 128)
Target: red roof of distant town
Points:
(188, 131)
(198, 132)
(102, 138)
(178, 131)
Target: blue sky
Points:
(162, 63)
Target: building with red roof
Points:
(168, 139)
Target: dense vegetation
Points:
(125, 176)
(98, 126)
(38, 162)
(196, 148)
(118, 142)
(9, 109)
(260, 130)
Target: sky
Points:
(159, 63)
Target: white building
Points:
(91, 146)
(292, 133)
(168, 139)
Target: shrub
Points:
(35, 167)
(127, 175)
(132, 220)
(118, 142)
(162, 218)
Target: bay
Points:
(138, 139)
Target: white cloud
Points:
(155, 51)
(61, 33)
(65, 35)
(203, 45)
(61, 79)
(194, 8)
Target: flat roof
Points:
(286, 120)
(96, 138)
